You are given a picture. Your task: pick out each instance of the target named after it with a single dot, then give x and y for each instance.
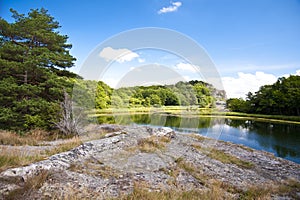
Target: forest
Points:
(90, 94)
(280, 98)
(35, 79)
(182, 93)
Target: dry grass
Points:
(94, 167)
(66, 146)
(10, 138)
(16, 158)
(37, 136)
(192, 170)
(219, 190)
(32, 138)
(142, 192)
(223, 157)
(153, 143)
(245, 148)
(197, 146)
(199, 137)
(289, 187)
(227, 158)
(10, 158)
(256, 192)
(95, 135)
(188, 167)
(29, 187)
(71, 193)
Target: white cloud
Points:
(172, 8)
(246, 82)
(187, 67)
(112, 82)
(119, 55)
(141, 60)
(297, 73)
(187, 78)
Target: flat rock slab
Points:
(158, 159)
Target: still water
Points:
(281, 139)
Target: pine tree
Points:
(34, 57)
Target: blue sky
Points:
(251, 42)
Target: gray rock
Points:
(163, 131)
(112, 166)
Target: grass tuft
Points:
(198, 137)
(227, 158)
(192, 170)
(153, 143)
(223, 157)
(289, 187)
(256, 192)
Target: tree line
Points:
(99, 95)
(182, 93)
(280, 98)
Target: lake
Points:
(281, 139)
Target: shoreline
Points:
(184, 113)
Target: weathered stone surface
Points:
(163, 131)
(112, 166)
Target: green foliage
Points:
(103, 95)
(84, 92)
(237, 105)
(33, 59)
(182, 93)
(281, 98)
(155, 100)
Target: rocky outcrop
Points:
(158, 159)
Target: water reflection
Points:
(281, 139)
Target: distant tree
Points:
(204, 95)
(135, 101)
(185, 93)
(103, 95)
(117, 102)
(237, 105)
(182, 93)
(280, 98)
(146, 102)
(155, 100)
(171, 98)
